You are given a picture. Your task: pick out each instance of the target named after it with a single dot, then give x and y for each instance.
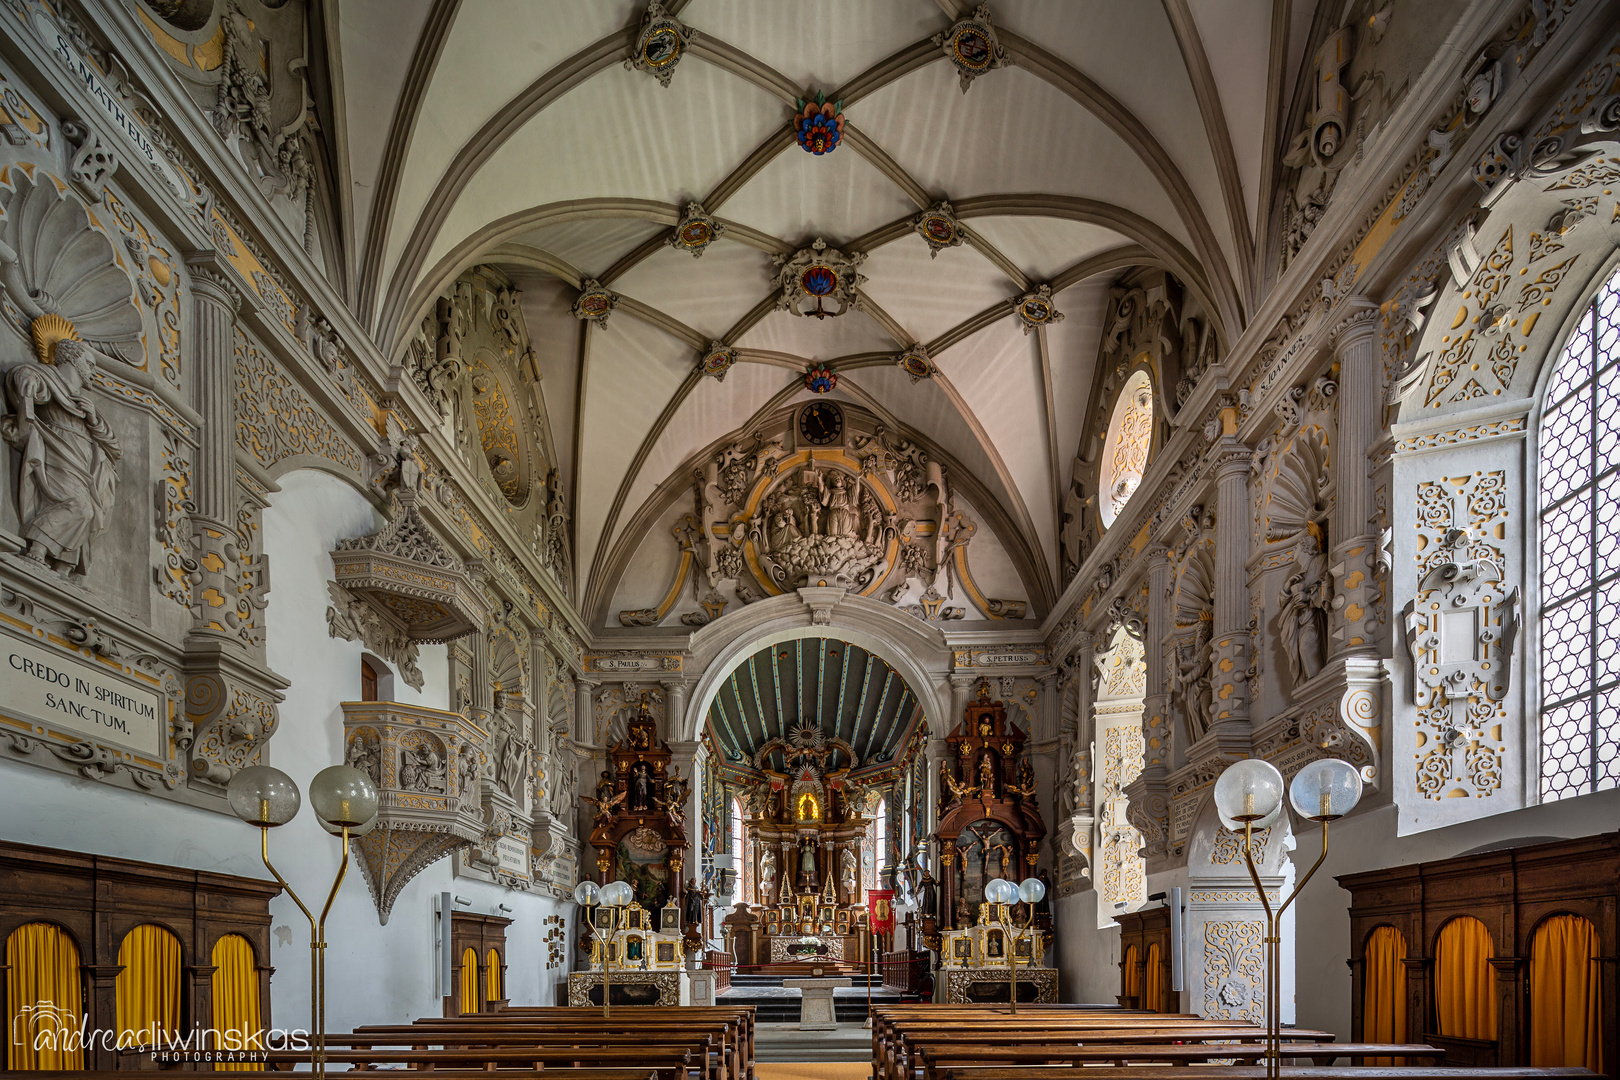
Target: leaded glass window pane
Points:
(1580, 558)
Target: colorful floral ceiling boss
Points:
(820, 379)
(660, 45)
(819, 281)
(972, 46)
(695, 231)
(819, 124)
(914, 362)
(717, 360)
(595, 303)
(938, 228)
(1035, 308)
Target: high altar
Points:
(807, 829)
(989, 827)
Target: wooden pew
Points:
(967, 1059)
(1255, 1072)
(742, 1016)
(666, 1062)
(709, 1040)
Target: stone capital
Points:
(213, 281)
(1357, 322)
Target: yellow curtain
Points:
(1465, 990)
(1153, 981)
(469, 982)
(42, 988)
(236, 1000)
(148, 989)
(1566, 1026)
(1132, 985)
(492, 992)
(1383, 991)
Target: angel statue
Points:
(1026, 780)
(69, 455)
(948, 781)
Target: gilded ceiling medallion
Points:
(938, 228)
(818, 281)
(660, 45)
(819, 124)
(1035, 308)
(972, 46)
(595, 303)
(695, 231)
(915, 362)
(717, 360)
(820, 379)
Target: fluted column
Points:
(675, 709)
(585, 711)
(1149, 792)
(1354, 539)
(1230, 643)
(213, 389)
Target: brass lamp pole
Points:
(1249, 793)
(1004, 894)
(345, 802)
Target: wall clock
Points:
(821, 424)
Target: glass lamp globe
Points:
(1031, 890)
(342, 796)
(586, 894)
(1249, 790)
(617, 894)
(1002, 891)
(263, 796)
(1325, 790)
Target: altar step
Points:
(775, 1004)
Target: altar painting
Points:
(642, 863)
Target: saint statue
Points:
(69, 455)
(987, 774)
(767, 875)
(640, 787)
(842, 518)
(848, 875)
(807, 863)
(1302, 609)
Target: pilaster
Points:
(1231, 641)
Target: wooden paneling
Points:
(1511, 891)
(1142, 929)
(98, 899)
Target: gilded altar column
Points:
(1354, 622)
(1230, 642)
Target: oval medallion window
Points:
(1125, 452)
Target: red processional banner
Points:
(880, 909)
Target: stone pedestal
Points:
(816, 1011)
(701, 986)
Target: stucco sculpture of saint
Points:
(1302, 610)
(848, 875)
(842, 517)
(69, 455)
(767, 876)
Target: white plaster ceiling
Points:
(532, 143)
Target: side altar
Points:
(990, 827)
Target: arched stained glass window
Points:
(1580, 558)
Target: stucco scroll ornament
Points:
(1460, 631)
(69, 477)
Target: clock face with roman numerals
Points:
(821, 423)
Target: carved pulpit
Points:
(989, 819)
(640, 828)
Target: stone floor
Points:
(785, 1042)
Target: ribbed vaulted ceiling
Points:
(840, 689)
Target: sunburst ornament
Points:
(46, 331)
(820, 379)
(1035, 308)
(695, 231)
(972, 46)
